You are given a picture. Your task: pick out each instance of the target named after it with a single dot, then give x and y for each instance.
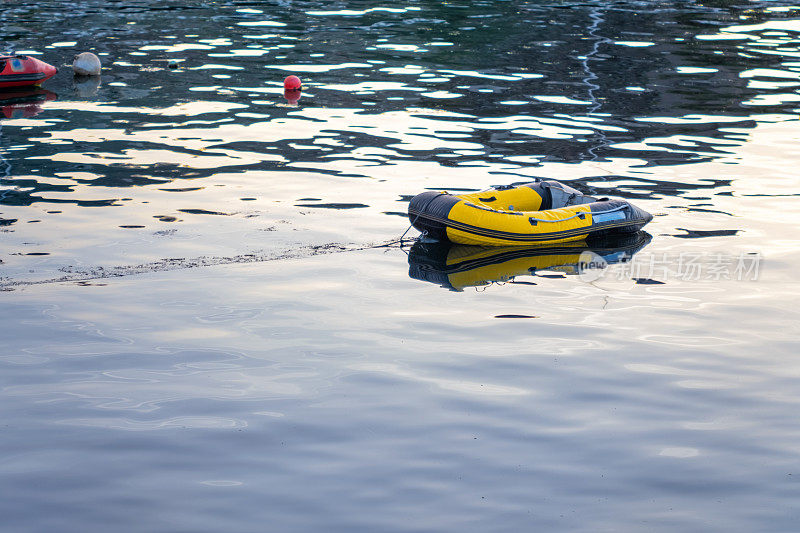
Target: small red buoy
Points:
(292, 83)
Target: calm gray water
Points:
(206, 326)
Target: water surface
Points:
(207, 327)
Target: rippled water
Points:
(208, 324)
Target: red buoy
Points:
(292, 83)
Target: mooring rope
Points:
(72, 274)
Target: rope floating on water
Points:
(76, 275)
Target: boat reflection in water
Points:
(457, 266)
(23, 102)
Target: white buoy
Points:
(86, 64)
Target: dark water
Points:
(206, 326)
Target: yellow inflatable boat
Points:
(456, 267)
(542, 212)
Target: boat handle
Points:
(581, 215)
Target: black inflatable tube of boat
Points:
(428, 207)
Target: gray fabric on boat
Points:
(564, 195)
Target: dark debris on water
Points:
(77, 274)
